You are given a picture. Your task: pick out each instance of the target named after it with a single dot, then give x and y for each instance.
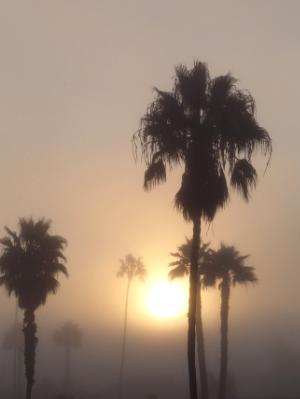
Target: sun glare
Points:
(166, 299)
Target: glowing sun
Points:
(166, 299)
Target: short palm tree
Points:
(208, 126)
(180, 268)
(130, 268)
(227, 266)
(68, 336)
(30, 262)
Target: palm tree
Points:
(208, 126)
(130, 268)
(29, 265)
(180, 268)
(69, 336)
(228, 266)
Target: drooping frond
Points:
(179, 271)
(243, 177)
(244, 275)
(162, 129)
(155, 174)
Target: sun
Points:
(166, 299)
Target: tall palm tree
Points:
(130, 268)
(29, 265)
(208, 126)
(227, 266)
(69, 336)
(180, 268)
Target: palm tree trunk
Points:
(68, 366)
(15, 354)
(191, 339)
(19, 372)
(121, 378)
(201, 346)
(225, 293)
(29, 330)
(15, 360)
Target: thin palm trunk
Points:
(68, 365)
(225, 293)
(19, 372)
(29, 330)
(201, 346)
(191, 339)
(15, 354)
(121, 379)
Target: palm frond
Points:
(243, 177)
(191, 85)
(155, 174)
(178, 272)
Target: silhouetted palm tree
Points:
(180, 268)
(228, 266)
(29, 265)
(130, 268)
(69, 336)
(208, 126)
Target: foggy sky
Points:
(76, 76)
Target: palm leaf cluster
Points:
(31, 261)
(131, 267)
(209, 126)
(227, 267)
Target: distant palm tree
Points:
(208, 126)
(130, 268)
(29, 265)
(69, 336)
(13, 340)
(227, 266)
(181, 267)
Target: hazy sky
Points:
(75, 78)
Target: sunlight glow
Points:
(166, 299)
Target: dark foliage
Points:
(209, 126)
(29, 265)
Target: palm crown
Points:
(69, 334)
(227, 263)
(132, 267)
(208, 125)
(181, 266)
(31, 261)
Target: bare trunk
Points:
(15, 354)
(68, 366)
(20, 372)
(29, 330)
(191, 339)
(201, 346)
(225, 293)
(121, 378)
